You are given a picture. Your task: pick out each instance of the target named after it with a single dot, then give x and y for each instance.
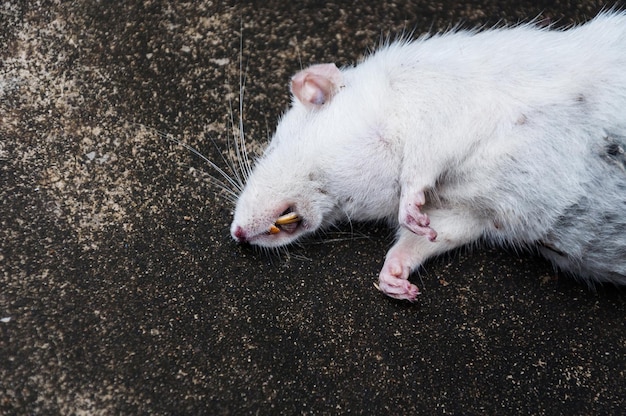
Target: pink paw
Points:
(393, 281)
(414, 219)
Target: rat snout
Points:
(239, 235)
(280, 231)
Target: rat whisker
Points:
(228, 162)
(348, 219)
(237, 142)
(228, 186)
(243, 76)
(222, 184)
(234, 161)
(240, 162)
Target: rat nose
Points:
(240, 235)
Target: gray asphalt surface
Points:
(121, 291)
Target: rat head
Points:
(317, 169)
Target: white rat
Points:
(512, 135)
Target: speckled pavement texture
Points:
(122, 293)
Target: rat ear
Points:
(316, 85)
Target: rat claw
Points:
(412, 217)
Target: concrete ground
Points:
(121, 291)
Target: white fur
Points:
(503, 132)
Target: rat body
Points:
(512, 135)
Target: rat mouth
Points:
(287, 222)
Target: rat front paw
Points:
(412, 218)
(393, 281)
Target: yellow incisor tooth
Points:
(287, 219)
(274, 229)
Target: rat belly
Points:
(589, 240)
